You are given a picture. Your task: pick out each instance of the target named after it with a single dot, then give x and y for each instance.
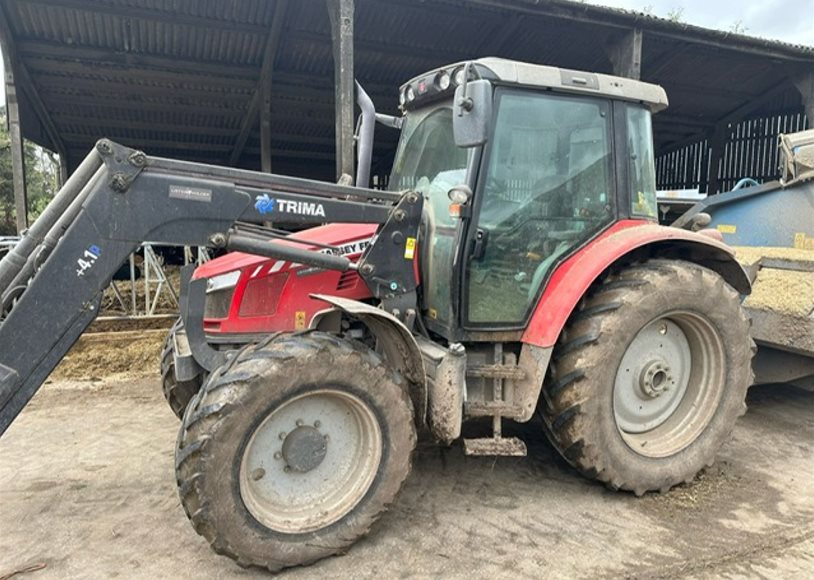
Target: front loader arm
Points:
(51, 284)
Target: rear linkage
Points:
(52, 282)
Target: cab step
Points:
(496, 371)
(504, 446)
(491, 409)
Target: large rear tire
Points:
(177, 393)
(293, 449)
(649, 376)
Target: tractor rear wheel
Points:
(293, 449)
(177, 393)
(649, 376)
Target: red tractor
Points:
(515, 267)
(546, 286)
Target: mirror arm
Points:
(465, 103)
(389, 120)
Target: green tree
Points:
(41, 172)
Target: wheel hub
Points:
(304, 449)
(655, 378)
(652, 377)
(668, 383)
(310, 461)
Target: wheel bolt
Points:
(317, 424)
(327, 438)
(282, 435)
(287, 469)
(258, 473)
(663, 329)
(278, 455)
(299, 422)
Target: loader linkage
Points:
(51, 283)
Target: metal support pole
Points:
(63, 169)
(625, 55)
(265, 127)
(17, 144)
(341, 14)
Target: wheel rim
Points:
(310, 461)
(669, 383)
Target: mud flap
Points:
(186, 367)
(396, 341)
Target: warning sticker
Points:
(299, 320)
(409, 249)
(727, 229)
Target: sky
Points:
(790, 21)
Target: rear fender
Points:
(626, 241)
(395, 340)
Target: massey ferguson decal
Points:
(265, 205)
(349, 249)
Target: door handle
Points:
(479, 244)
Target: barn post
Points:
(625, 54)
(16, 136)
(341, 13)
(805, 84)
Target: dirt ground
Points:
(87, 488)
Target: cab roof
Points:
(510, 72)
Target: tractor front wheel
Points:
(649, 376)
(293, 449)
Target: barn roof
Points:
(177, 77)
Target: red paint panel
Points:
(574, 276)
(272, 295)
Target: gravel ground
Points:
(87, 489)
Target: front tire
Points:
(293, 449)
(649, 376)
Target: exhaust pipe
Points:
(365, 136)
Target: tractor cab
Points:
(520, 165)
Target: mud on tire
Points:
(177, 394)
(230, 415)
(582, 412)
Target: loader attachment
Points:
(51, 283)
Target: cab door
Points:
(546, 187)
(429, 162)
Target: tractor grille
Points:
(218, 302)
(347, 280)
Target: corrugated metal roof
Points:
(176, 77)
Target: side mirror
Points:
(472, 113)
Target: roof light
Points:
(458, 76)
(442, 80)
